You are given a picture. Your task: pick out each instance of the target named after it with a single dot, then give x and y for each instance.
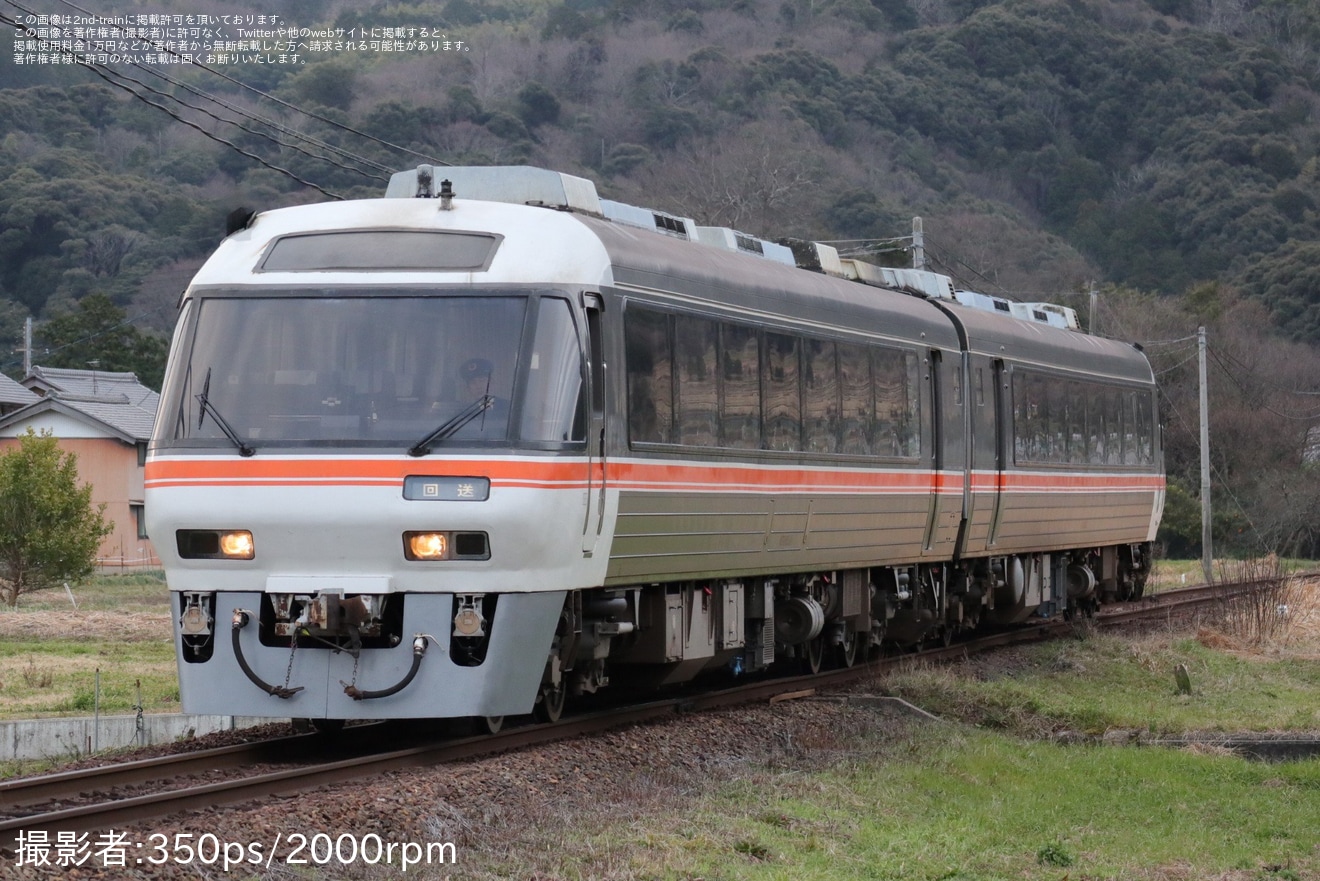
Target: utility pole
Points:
(1207, 551)
(27, 347)
(1090, 324)
(918, 245)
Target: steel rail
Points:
(94, 816)
(23, 791)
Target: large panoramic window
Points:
(736, 386)
(1058, 421)
(378, 370)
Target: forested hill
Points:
(1162, 152)
(1154, 144)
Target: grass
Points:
(991, 794)
(45, 677)
(1107, 682)
(137, 592)
(50, 654)
(1170, 574)
(988, 795)
(975, 805)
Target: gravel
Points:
(538, 813)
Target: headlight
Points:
(426, 545)
(215, 544)
(236, 545)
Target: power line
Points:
(266, 95)
(1230, 356)
(100, 333)
(272, 123)
(245, 128)
(1223, 484)
(1242, 388)
(107, 76)
(279, 127)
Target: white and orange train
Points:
(492, 441)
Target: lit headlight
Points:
(426, 545)
(214, 544)
(236, 545)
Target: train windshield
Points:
(376, 371)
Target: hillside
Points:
(1150, 148)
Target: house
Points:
(105, 418)
(13, 396)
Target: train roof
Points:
(585, 240)
(764, 288)
(1001, 336)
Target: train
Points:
(491, 442)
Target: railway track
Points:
(115, 795)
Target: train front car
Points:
(371, 483)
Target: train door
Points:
(982, 421)
(597, 473)
(1002, 432)
(948, 477)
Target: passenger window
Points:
(783, 409)
(698, 387)
(740, 410)
(820, 398)
(650, 376)
(897, 415)
(858, 404)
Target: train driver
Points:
(475, 375)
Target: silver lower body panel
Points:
(506, 683)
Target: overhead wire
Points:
(1238, 361)
(1219, 362)
(108, 75)
(1194, 431)
(274, 124)
(280, 101)
(4, 365)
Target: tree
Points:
(98, 334)
(49, 531)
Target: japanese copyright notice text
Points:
(38, 848)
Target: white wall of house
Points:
(57, 424)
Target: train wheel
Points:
(813, 652)
(491, 724)
(847, 654)
(328, 727)
(550, 703)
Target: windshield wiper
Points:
(204, 403)
(463, 417)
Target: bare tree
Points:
(763, 178)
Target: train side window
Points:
(698, 383)
(858, 402)
(1024, 417)
(740, 401)
(897, 411)
(1113, 427)
(1094, 401)
(1145, 428)
(1056, 397)
(782, 404)
(1076, 403)
(1130, 453)
(650, 361)
(553, 399)
(820, 397)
